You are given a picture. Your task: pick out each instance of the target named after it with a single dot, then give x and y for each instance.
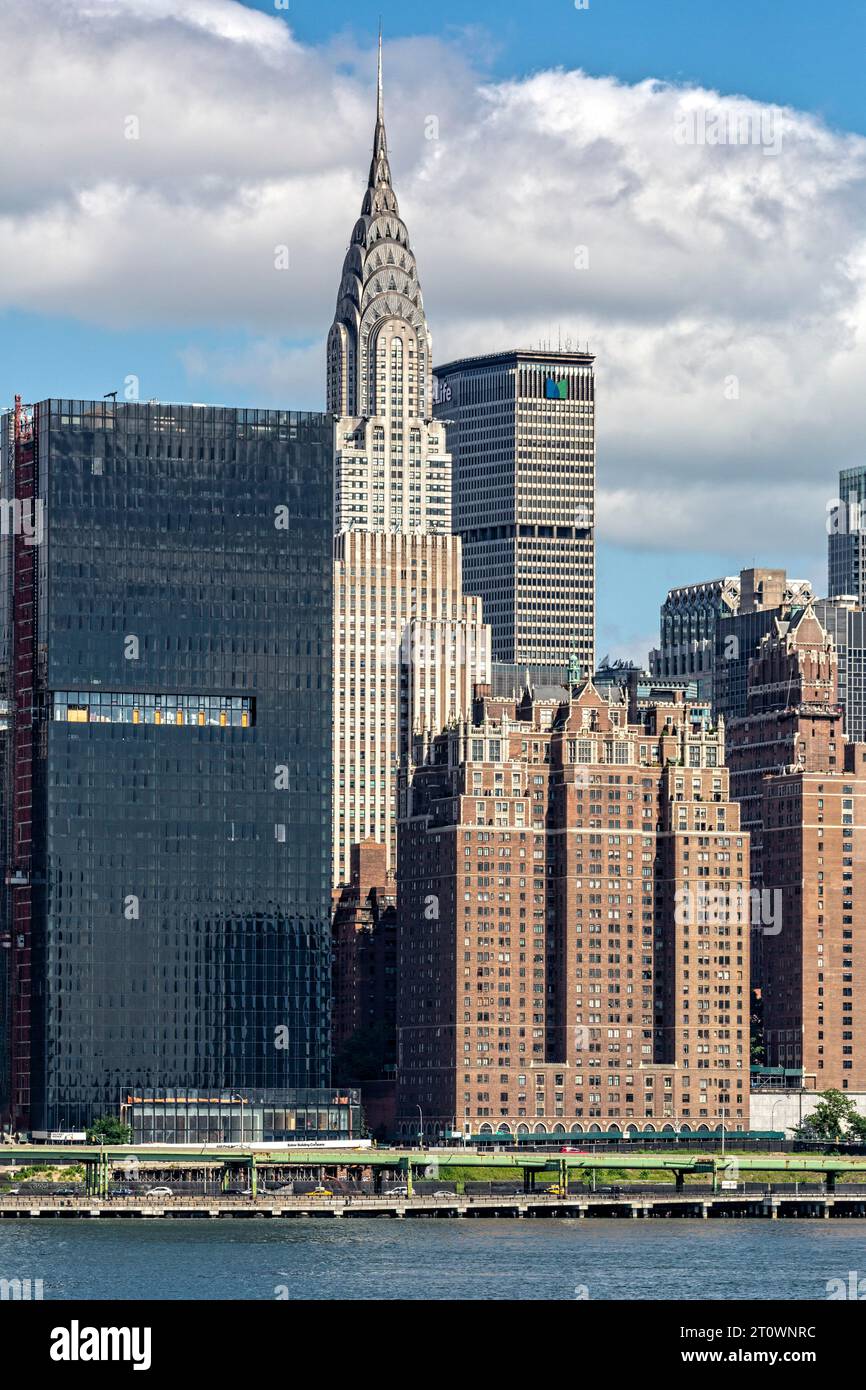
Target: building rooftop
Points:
(540, 355)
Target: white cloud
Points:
(706, 262)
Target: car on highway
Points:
(319, 1192)
(159, 1192)
(401, 1190)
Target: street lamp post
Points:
(420, 1127)
(780, 1101)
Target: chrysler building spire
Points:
(379, 296)
(380, 117)
(380, 172)
(409, 646)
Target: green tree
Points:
(830, 1120)
(363, 1056)
(109, 1130)
(756, 1027)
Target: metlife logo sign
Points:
(555, 390)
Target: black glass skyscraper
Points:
(167, 582)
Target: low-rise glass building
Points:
(242, 1117)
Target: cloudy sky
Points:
(686, 197)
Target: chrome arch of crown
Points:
(379, 284)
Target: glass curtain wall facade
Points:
(256, 1117)
(171, 878)
(846, 544)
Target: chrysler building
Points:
(393, 472)
(408, 646)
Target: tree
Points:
(834, 1114)
(363, 1056)
(109, 1130)
(756, 1027)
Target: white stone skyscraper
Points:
(408, 646)
(393, 472)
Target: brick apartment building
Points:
(802, 790)
(573, 943)
(364, 984)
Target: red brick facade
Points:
(573, 935)
(803, 795)
(364, 979)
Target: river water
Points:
(433, 1259)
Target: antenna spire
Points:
(380, 173)
(379, 99)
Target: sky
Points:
(680, 186)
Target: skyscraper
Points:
(847, 539)
(393, 472)
(709, 632)
(689, 619)
(407, 648)
(522, 434)
(5, 895)
(407, 644)
(844, 620)
(167, 633)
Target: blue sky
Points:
(99, 310)
(795, 52)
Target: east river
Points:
(290, 1260)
